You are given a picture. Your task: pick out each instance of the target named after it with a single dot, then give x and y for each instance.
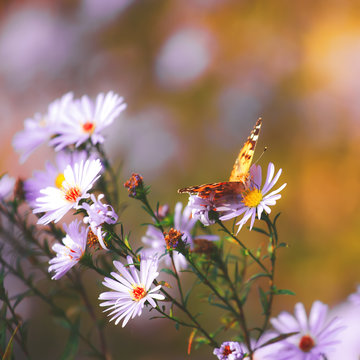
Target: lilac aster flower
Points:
(98, 214)
(349, 348)
(52, 174)
(200, 208)
(183, 222)
(229, 350)
(131, 289)
(70, 188)
(86, 120)
(317, 334)
(355, 298)
(41, 128)
(261, 352)
(7, 184)
(254, 200)
(70, 253)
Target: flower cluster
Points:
(77, 182)
(73, 127)
(183, 224)
(312, 338)
(251, 202)
(69, 122)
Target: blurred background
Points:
(196, 75)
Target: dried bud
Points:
(134, 184)
(172, 238)
(92, 240)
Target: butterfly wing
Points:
(242, 164)
(215, 190)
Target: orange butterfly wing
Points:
(242, 164)
(239, 173)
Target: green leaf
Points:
(263, 300)
(275, 218)
(259, 275)
(20, 297)
(245, 293)
(168, 271)
(221, 306)
(282, 245)
(9, 347)
(278, 338)
(283, 292)
(261, 231)
(3, 328)
(72, 345)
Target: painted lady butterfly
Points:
(239, 175)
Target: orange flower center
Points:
(88, 127)
(138, 292)
(72, 194)
(227, 350)
(306, 343)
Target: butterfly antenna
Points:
(265, 148)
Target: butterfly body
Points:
(239, 177)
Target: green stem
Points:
(112, 173)
(84, 296)
(243, 246)
(50, 302)
(274, 240)
(157, 221)
(242, 317)
(211, 286)
(177, 278)
(191, 317)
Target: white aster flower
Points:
(70, 188)
(7, 184)
(52, 175)
(70, 253)
(131, 289)
(255, 199)
(86, 120)
(41, 128)
(98, 214)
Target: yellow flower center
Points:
(138, 292)
(252, 198)
(59, 180)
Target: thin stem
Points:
(192, 318)
(112, 173)
(177, 278)
(157, 221)
(50, 302)
(211, 286)
(175, 319)
(242, 317)
(243, 246)
(273, 240)
(84, 296)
